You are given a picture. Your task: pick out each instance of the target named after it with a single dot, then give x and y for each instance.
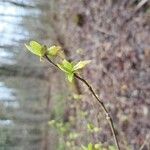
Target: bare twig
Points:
(51, 61)
(145, 142)
(140, 4)
(108, 117)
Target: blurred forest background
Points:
(114, 34)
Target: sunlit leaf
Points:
(81, 64)
(63, 68)
(70, 68)
(70, 77)
(90, 146)
(35, 45)
(53, 50)
(36, 48)
(30, 48)
(98, 146)
(67, 65)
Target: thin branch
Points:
(108, 117)
(51, 61)
(140, 4)
(145, 142)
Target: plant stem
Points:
(108, 117)
(49, 60)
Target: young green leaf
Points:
(70, 68)
(97, 146)
(70, 77)
(36, 48)
(81, 64)
(90, 146)
(67, 65)
(64, 69)
(35, 45)
(53, 50)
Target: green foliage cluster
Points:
(60, 126)
(42, 50)
(70, 68)
(91, 128)
(68, 137)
